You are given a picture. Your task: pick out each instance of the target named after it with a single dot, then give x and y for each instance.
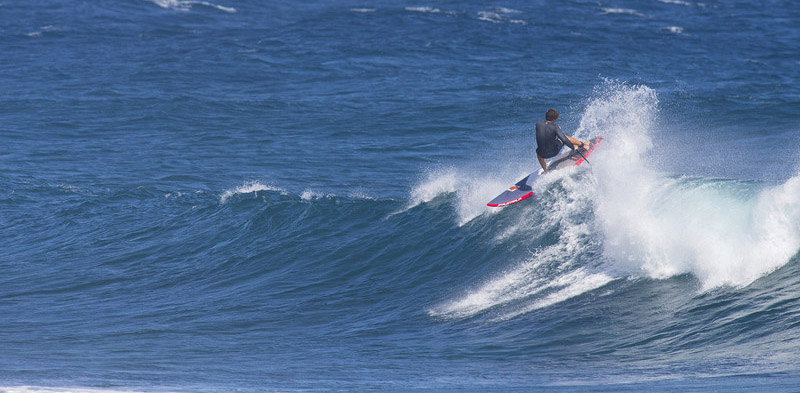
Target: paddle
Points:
(584, 157)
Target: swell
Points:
(100, 243)
(310, 267)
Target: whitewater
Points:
(629, 219)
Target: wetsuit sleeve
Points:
(563, 138)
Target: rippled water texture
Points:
(215, 196)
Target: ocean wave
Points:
(248, 188)
(623, 219)
(471, 190)
(724, 233)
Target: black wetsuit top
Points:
(550, 139)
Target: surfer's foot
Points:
(586, 145)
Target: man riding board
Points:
(550, 139)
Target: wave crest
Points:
(722, 232)
(247, 188)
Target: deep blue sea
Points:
(290, 196)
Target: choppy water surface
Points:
(239, 196)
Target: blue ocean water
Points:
(234, 195)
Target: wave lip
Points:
(471, 191)
(247, 188)
(724, 233)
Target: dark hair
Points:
(551, 115)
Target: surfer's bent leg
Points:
(541, 162)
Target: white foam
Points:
(436, 183)
(247, 188)
(659, 226)
(472, 190)
(673, 29)
(309, 195)
(431, 10)
(425, 10)
(621, 11)
(678, 2)
(360, 194)
(500, 15)
(550, 275)
(488, 16)
(569, 285)
(504, 10)
(642, 222)
(499, 290)
(186, 5)
(531, 284)
(363, 10)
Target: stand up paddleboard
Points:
(523, 189)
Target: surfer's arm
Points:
(578, 143)
(564, 138)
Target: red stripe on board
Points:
(591, 149)
(526, 196)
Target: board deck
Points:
(523, 189)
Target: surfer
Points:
(550, 139)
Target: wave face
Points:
(289, 196)
(626, 220)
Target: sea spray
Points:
(472, 191)
(724, 232)
(625, 219)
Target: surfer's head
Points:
(551, 115)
